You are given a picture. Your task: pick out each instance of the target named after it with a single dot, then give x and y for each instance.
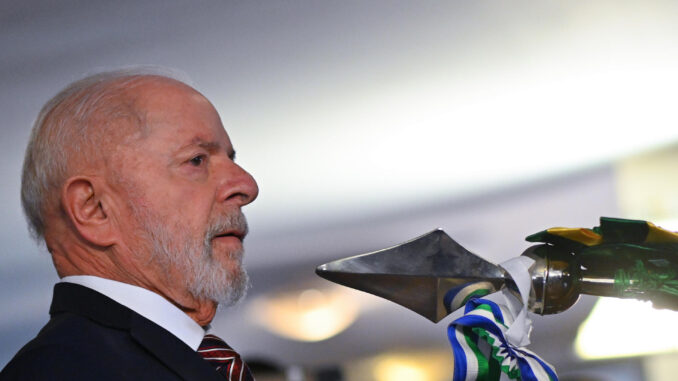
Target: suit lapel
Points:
(171, 351)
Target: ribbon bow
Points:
(490, 336)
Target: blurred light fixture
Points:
(401, 368)
(646, 190)
(307, 315)
(411, 364)
(626, 327)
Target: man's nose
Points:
(236, 185)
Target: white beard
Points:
(204, 277)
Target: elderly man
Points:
(130, 180)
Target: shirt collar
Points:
(147, 304)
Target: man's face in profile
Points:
(185, 193)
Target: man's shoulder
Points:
(68, 347)
(72, 347)
(70, 330)
(90, 336)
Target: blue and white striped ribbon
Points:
(489, 338)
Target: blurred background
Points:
(368, 123)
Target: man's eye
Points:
(197, 161)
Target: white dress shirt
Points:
(147, 304)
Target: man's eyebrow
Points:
(210, 146)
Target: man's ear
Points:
(86, 205)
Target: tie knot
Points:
(224, 359)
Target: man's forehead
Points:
(183, 114)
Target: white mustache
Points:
(232, 222)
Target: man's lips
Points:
(234, 234)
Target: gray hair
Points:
(68, 130)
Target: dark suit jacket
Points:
(92, 337)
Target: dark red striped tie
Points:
(227, 361)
